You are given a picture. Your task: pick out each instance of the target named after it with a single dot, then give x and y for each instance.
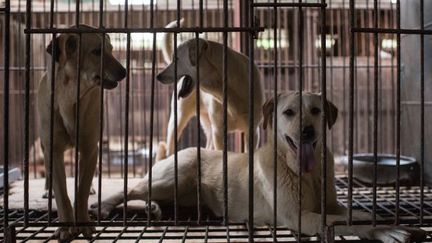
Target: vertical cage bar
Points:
(6, 48)
(251, 128)
(323, 121)
(152, 97)
(201, 15)
(51, 133)
(342, 15)
(198, 114)
(176, 116)
(27, 113)
(351, 111)
(375, 133)
(132, 107)
(101, 115)
(126, 134)
(275, 78)
(77, 125)
(398, 110)
(422, 115)
(368, 51)
(77, 112)
(117, 19)
(393, 106)
(331, 66)
(300, 86)
(225, 113)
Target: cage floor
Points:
(187, 230)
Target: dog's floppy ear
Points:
(56, 54)
(331, 113)
(193, 49)
(71, 45)
(65, 46)
(268, 109)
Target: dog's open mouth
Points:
(307, 150)
(186, 87)
(106, 83)
(291, 143)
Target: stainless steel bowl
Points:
(363, 169)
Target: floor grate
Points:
(211, 230)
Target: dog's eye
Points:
(289, 112)
(315, 111)
(97, 52)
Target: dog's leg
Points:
(139, 192)
(384, 233)
(311, 225)
(216, 119)
(257, 137)
(64, 206)
(217, 135)
(87, 166)
(206, 125)
(185, 111)
(162, 184)
(46, 193)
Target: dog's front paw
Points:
(395, 234)
(46, 194)
(105, 209)
(66, 234)
(87, 231)
(154, 210)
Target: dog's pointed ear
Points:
(268, 109)
(193, 49)
(56, 52)
(331, 113)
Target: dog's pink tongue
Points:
(308, 158)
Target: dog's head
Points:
(188, 55)
(65, 53)
(289, 133)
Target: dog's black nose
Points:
(308, 134)
(159, 77)
(122, 73)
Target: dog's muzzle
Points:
(307, 152)
(111, 83)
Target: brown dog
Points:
(66, 76)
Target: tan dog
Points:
(66, 58)
(288, 136)
(211, 94)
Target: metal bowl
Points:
(363, 169)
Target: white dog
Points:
(288, 136)
(211, 94)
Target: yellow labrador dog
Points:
(288, 136)
(210, 63)
(66, 58)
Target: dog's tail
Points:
(167, 41)
(161, 152)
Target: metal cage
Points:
(348, 50)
